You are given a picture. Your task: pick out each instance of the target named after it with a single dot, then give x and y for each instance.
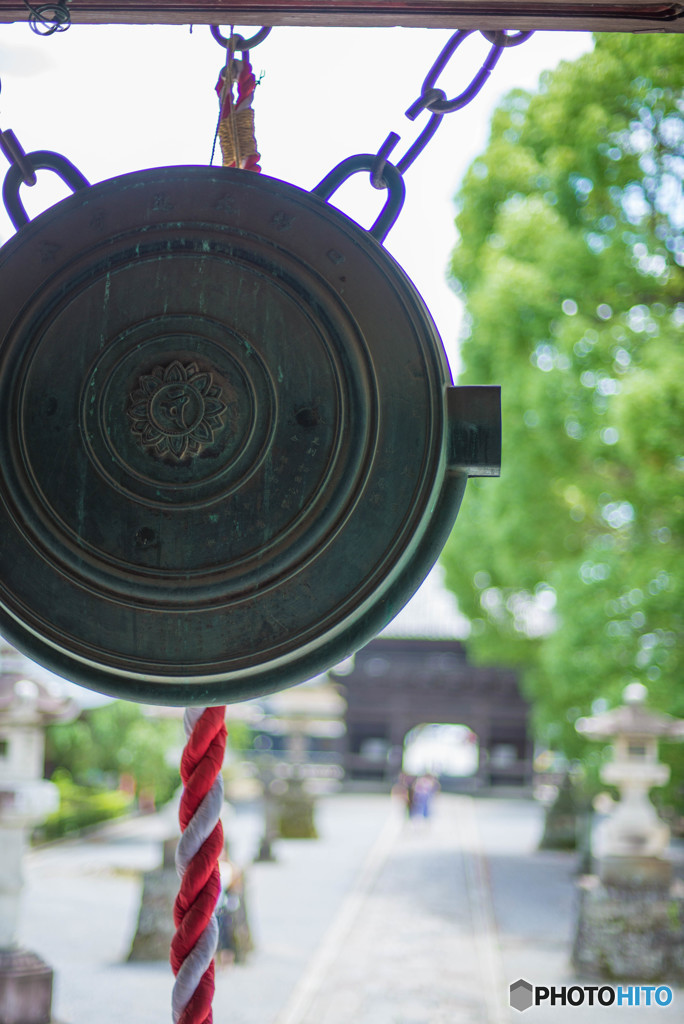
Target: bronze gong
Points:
(230, 451)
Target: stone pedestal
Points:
(560, 821)
(265, 852)
(630, 932)
(12, 845)
(26, 707)
(636, 873)
(296, 810)
(25, 988)
(156, 929)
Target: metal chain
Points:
(389, 176)
(435, 101)
(384, 174)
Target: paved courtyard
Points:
(380, 921)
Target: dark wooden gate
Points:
(397, 684)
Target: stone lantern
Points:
(311, 710)
(631, 913)
(631, 843)
(26, 707)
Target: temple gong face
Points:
(229, 450)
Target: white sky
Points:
(117, 99)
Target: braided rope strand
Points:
(200, 845)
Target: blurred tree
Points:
(118, 739)
(570, 261)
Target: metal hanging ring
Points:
(42, 159)
(46, 19)
(500, 37)
(391, 180)
(237, 42)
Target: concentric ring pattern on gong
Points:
(223, 427)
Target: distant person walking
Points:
(424, 790)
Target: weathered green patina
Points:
(230, 449)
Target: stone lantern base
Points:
(296, 813)
(630, 932)
(636, 872)
(25, 988)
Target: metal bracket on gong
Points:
(475, 430)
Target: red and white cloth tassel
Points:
(199, 847)
(235, 130)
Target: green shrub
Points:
(114, 740)
(81, 807)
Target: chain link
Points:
(435, 101)
(39, 160)
(22, 171)
(15, 154)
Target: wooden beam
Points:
(594, 15)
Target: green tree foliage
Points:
(116, 739)
(570, 261)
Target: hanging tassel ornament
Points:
(236, 117)
(201, 843)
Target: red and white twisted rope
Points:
(200, 845)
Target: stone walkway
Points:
(380, 921)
